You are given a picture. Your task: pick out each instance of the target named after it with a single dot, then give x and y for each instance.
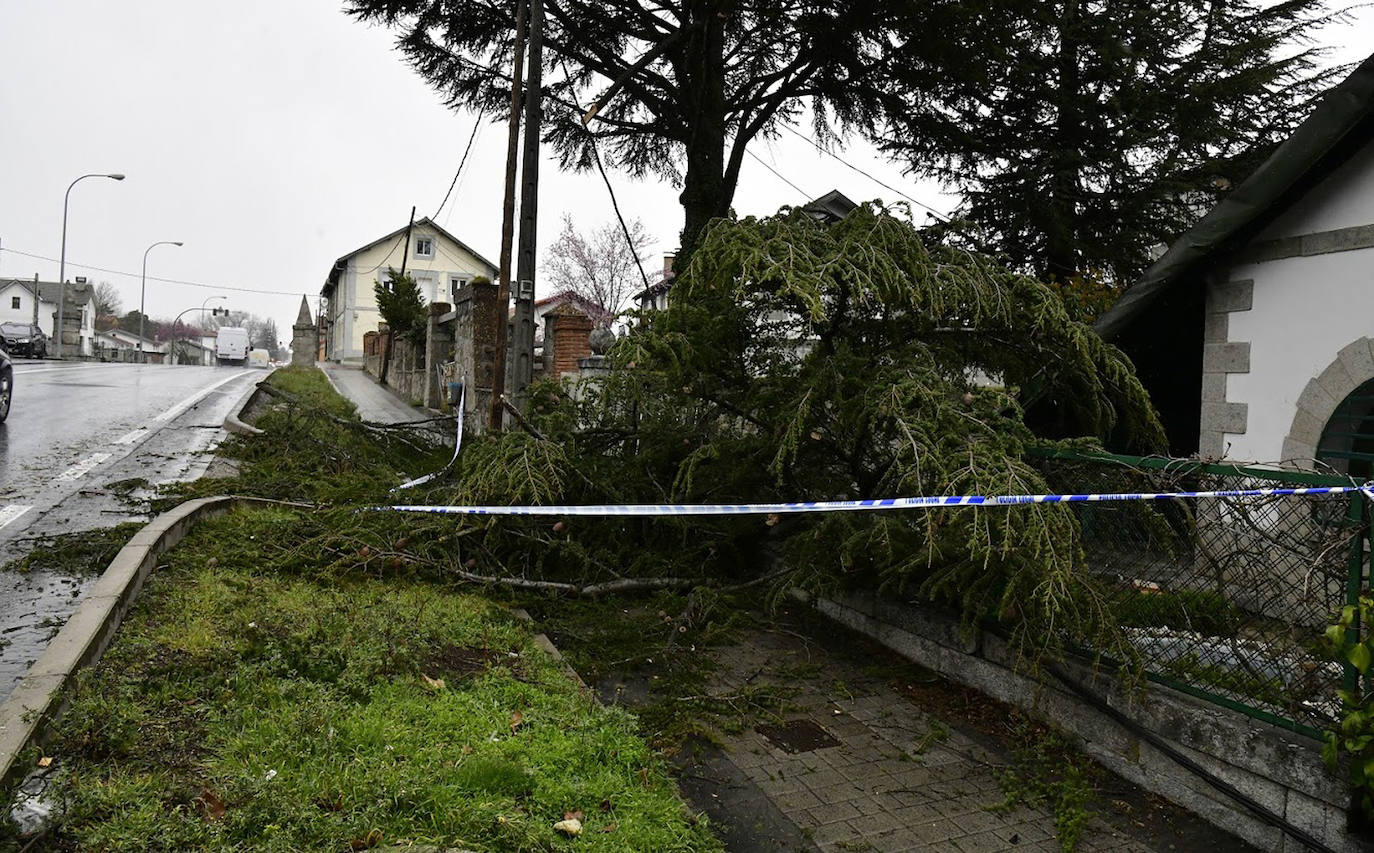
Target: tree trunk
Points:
(1061, 253)
(702, 72)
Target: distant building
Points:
(440, 263)
(17, 305)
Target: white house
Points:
(119, 345)
(439, 262)
(17, 306)
(1255, 332)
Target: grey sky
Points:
(273, 136)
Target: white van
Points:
(231, 345)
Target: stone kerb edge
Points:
(36, 702)
(1281, 771)
(234, 423)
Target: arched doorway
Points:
(1347, 440)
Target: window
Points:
(424, 247)
(455, 284)
(14, 302)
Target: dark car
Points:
(6, 381)
(24, 339)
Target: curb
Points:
(37, 702)
(233, 423)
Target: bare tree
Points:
(108, 305)
(600, 266)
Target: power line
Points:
(72, 263)
(868, 175)
(779, 175)
(475, 125)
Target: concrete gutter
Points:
(235, 423)
(37, 701)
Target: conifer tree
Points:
(1082, 134)
(686, 86)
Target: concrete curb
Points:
(234, 424)
(37, 701)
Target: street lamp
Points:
(62, 258)
(177, 321)
(202, 308)
(143, 287)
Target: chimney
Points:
(668, 260)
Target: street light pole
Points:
(62, 258)
(202, 308)
(177, 321)
(142, 289)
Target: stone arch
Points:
(1354, 366)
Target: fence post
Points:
(1354, 581)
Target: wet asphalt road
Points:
(78, 437)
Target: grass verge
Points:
(292, 680)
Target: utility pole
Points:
(522, 370)
(498, 379)
(390, 332)
(35, 300)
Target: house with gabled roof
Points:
(440, 263)
(1254, 332)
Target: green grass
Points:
(242, 707)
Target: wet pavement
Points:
(84, 445)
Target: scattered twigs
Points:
(520, 419)
(590, 591)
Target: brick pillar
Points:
(438, 349)
(569, 335)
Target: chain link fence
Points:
(1224, 598)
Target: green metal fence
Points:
(1225, 598)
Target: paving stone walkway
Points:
(895, 767)
(375, 403)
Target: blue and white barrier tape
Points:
(853, 506)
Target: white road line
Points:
(133, 436)
(193, 399)
(10, 512)
(81, 468)
(21, 370)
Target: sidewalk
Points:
(375, 403)
(879, 755)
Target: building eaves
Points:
(1338, 128)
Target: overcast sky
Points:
(273, 136)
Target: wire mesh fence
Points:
(1225, 598)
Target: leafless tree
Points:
(107, 304)
(600, 265)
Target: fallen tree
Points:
(803, 361)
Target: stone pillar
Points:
(303, 337)
(476, 309)
(438, 349)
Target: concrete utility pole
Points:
(498, 379)
(522, 370)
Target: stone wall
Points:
(1281, 770)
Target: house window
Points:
(455, 284)
(424, 247)
(14, 302)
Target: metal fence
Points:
(1225, 598)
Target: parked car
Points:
(24, 339)
(6, 381)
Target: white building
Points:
(1255, 332)
(17, 305)
(439, 262)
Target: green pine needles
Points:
(806, 361)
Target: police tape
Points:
(642, 510)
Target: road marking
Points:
(81, 468)
(194, 398)
(133, 436)
(22, 370)
(10, 512)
